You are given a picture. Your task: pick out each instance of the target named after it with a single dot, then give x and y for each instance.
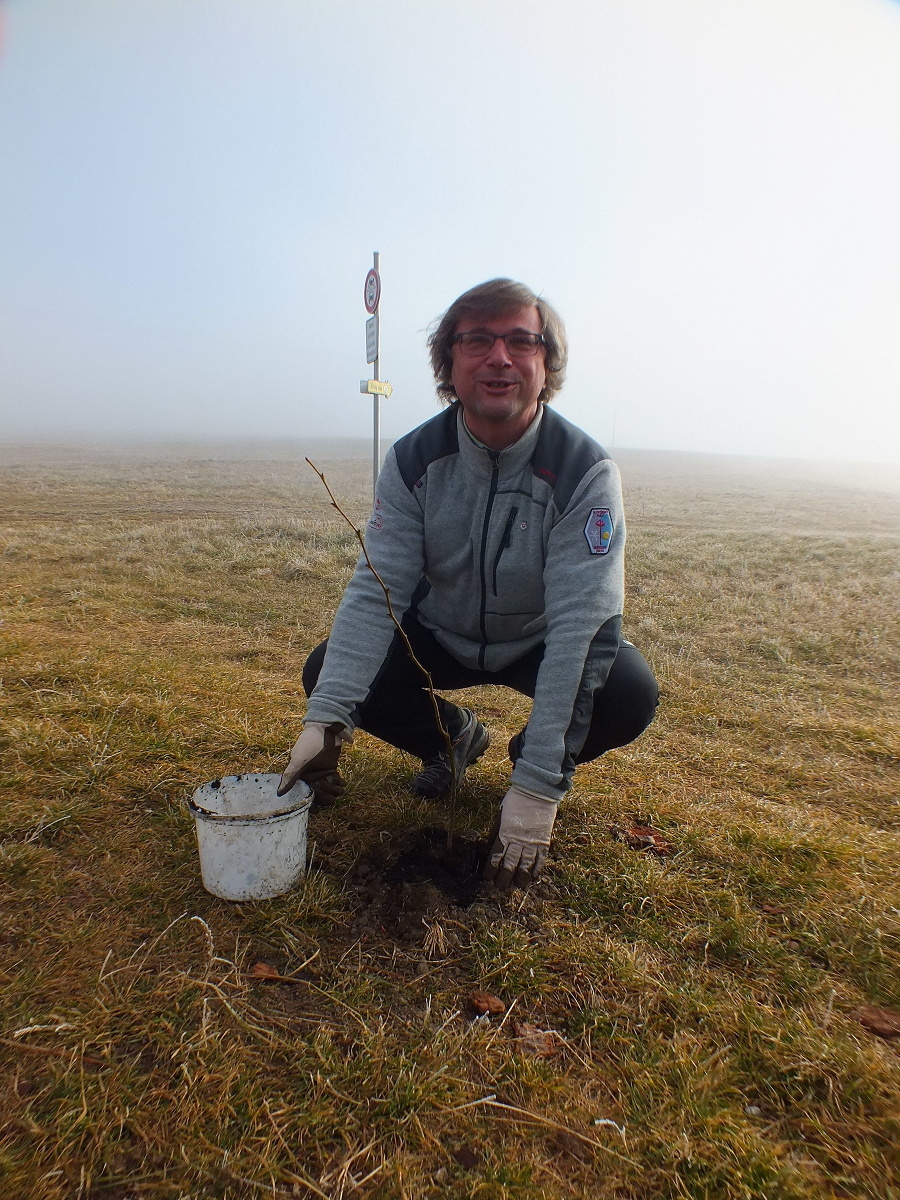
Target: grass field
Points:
(702, 1024)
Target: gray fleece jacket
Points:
(503, 550)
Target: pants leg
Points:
(398, 709)
(623, 707)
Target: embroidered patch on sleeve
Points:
(376, 521)
(598, 530)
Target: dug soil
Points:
(414, 880)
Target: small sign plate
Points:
(375, 387)
(371, 339)
(372, 290)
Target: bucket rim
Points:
(204, 814)
(293, 807)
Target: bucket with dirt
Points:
(252, 842)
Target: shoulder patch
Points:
(598, 530)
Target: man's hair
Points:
(497, 298)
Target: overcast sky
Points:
(708, 190)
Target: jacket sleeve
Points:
(584, 594)
(363, 630)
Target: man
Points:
(498, 528)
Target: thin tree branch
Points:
(432, 695)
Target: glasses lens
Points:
(522, 344)
(475, 344)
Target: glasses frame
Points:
(484, 333)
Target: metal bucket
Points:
(252, 843)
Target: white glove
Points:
(519, 848)
(314, 759)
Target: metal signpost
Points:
(375, 387)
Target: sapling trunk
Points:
(445, 733)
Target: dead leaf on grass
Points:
(642, 837)
(484, 1002)
(774, 910)
(262, 970)
(883, 1022)
(542, 1043)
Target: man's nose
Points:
(498, 354)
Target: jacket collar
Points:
(481, 458)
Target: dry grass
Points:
(157, 608)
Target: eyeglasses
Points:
(518, 344)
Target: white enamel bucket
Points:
(252, 843)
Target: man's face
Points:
(499, 392)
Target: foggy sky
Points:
(191, 191)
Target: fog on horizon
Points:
(191, 196)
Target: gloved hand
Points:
(519, 848)
(314, 759)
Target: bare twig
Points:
(293, 1177)
(432, 695)
(826, 1020)
(54, 1052)
(524, 1114)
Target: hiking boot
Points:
(434, 780)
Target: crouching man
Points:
(498, 528)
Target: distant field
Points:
(708, 1039)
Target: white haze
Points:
(191, 191)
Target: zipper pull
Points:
(507, 532)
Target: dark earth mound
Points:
(456, 872)
(414, 881)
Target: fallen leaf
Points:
(466, 1157)
(883, 1022)
(262, 970)
(542, 1043)
(774, 910)
(484, 1002)
(642, 837)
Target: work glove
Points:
(314, 759)
(519, 849)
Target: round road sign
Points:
(372, 290)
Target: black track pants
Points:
(398, 709)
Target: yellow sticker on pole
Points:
(375, 387)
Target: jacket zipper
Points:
(504, 542)
(492, 492)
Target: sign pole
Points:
(376, 388)
(376, 399)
